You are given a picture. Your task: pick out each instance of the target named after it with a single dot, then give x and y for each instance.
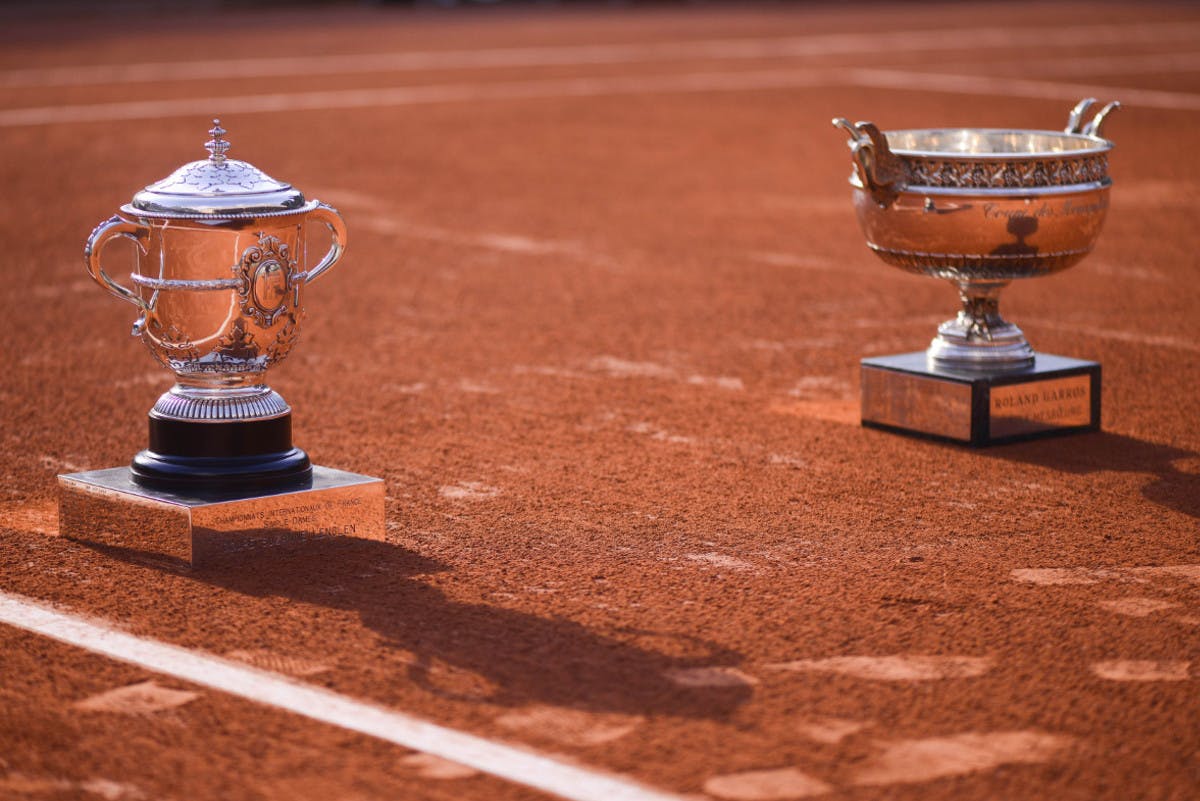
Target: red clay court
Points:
(598, 327)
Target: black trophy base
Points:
(221, 455)
(1055, 395)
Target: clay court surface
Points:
(598, 327)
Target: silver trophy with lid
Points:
(218, 285)
(219, 272)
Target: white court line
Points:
(1017, 87)
(701, 82)
(507, 762)
(1132, 337)
(1089, 65)
(726, 49)
(414, 95)
(506, 243)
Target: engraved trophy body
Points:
(981, 208)
(219, 273)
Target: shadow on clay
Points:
(1087, 453)
(526, 659)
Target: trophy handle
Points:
(881, 172)
(337, 227)
(1093, 127)
(1075, 123)
(101, 236)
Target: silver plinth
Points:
(108, 510)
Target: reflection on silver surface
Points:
(985, 142)
(981, 207)
(107, 509)
(218, 280)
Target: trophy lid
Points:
(217, 187)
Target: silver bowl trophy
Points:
(218, 279)
(981, 207)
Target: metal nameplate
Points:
(1017, 409)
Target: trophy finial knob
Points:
(216, 146)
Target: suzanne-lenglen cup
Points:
(218, 280)
(980, 208)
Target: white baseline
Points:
(917, 81)
(1092, 36)
(677, 83)
(416, 95)
(508, 762)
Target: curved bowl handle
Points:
(1094, 127)
(337, 228)
(858, 141)
(880, 171)
(101, 236)
(1075, 123)
(1075, 118)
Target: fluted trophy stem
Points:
(978, 337)
(184, 403)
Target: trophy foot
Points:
(224, 403)
(1005, 349)
(221, 456)
(979, 338)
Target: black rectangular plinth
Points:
(905, 393)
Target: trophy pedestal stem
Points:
(221, 455)
(979, 338)
(216, 404)
(912, 394)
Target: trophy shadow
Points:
(519, 658)
(1171, 487)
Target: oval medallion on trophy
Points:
(266, 272)
(269, 286)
